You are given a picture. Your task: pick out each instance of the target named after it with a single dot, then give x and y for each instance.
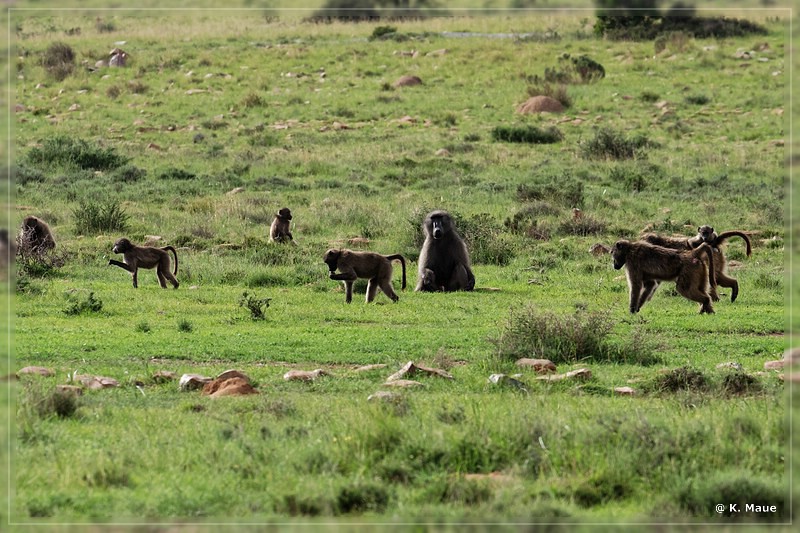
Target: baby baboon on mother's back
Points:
(646, 265)
(375, 267)
(444, 261)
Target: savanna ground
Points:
(679, 132)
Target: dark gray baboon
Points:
(8, 251)
(35, 236)
(370, 265)
(137, 257)
(445, 255)
(647, 264)
(279, 231)
(707, 235)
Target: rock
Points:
(151, 240)
(36, 371)
(403, 384)
(228, 374)
(384, 396)
(409, 369)
(730, 364)
(598, 249)
(233, 386)
(304, 375)
(407, 81)
(774, 365)
(792, 356)
(579, 374)
(95, 382)
(163, 376)
(540, 104)
(367, 368)
(192, 382)
(541, 366)
(442, 152)
(624, 391)
(236, 190)
(502, 379)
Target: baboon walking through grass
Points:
(370, 265)
(137, 257)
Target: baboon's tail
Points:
(402, 262)
(712, 276)
(722, 237)
(171, 249)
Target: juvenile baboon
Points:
(35, 236)
(137, 257)
(279, 231)
(445, 255)
(647, 264)
(707, 235)
(370, 265)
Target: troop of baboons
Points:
(696, 264)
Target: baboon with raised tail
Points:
(136, 257)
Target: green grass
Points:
(262, 117)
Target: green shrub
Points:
(362, 497)
(563, 190)
(79, 305)
(128, 174)
(255, 305)
(59, 60)
(678, 379)
(77, 153)
(526, 134)
(701, 495)
(41, 400)
(485, 240)
(93, 217)
(176, 174)
(582, 226)
(610, 144)
(185, 326)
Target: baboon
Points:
(35, 236)
(137, 257)
(707, 235)
(8, 251)
(370, 265)
(647, 264)
(445, 255)
(279, 231)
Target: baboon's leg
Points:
(634, 293)
(120, 264)
(348, 291)
(135, 278)
(459, 279)
(648, 289)
(172, 279)
(161, 279)
(729, 282)
(688, 289)
(388, 290)
(372, 289)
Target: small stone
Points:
(403, 384)
(730, 364)
(384, 396)
(541, 366)
(624, 391)
(774, 365)
(367, 368)
(304, 375)
(36, 370)
(192, 382)
(581, 374)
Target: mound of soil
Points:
(407, 81)
(540, 104)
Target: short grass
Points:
(305, 115)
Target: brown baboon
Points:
(35, 237)
(137, 257)
(445, 255)
(707, 235)
(8, 251)
(647, 264)
(375, 267)
(279, 231)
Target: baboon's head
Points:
(438, 224)
(706, 233)
(122, 245)
(285, 213)
(331, 259)
(619, 253)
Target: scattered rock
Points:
(74, 107)
(540, 104)
(502, 379)
(407, 81)
(580, 374)
(230, 386)
(541, 366)
(228, 374)
(442, 152)
(403, 384)
(304, 375)
(95, 382)
(598, 249)
(151, 240)
(730, 364)
(774, 365)
(384, 396)
(164, 376)
(193, 382)
(624, 391)
(409, 369)
(367, 368)
(36, 370)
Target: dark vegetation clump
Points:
(526, 134)
(80, 304)
(642, 20)
(521, 221)
(128, 174)
(737, 383)
(700, 495)
(566, 338)
(603, 488)
(610, 144)
(257, 306)
(362, 497)
(59, 60)
(563, 190)
(62, 150)
(582, 226)
(95, 217)
(485, 239)
(679, 379)
(173, 173)
(42, 401)
(571, 70)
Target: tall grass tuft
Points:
(526, 134)
(610, 144)
(59, 60)
(93, 217)
(67, 151)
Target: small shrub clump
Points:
(610, 144)
(526, 134)
(561, 190)
(257, 306)
(79, 306)
(59, 60)
(94, 217)
(68, 151)
(679, 379)
(485, 240)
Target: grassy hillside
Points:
(218, 120)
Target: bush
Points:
(485, 240)
(362, 497)
(76, 153)
(563, 190)
(38, 400)
(59, 60)
(92, 218)
(610, 144)
(79, 306)
(255, 305)
(526, 134)
(176, 174)
(701, 495)
(128, 174)
(678, 379)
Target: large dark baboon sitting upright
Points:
(35, 237)
(647, 264)
(444, 261)
(707, 235)
(375, 267)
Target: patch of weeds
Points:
(769, 281)
(143, 327)
(93, 217)
(524, 219)
(562, 190)
(103, 26)
(526, 134)
(137, 87)
(571, 70)
(582, 226)
(602, 488)
(394, 471)
(451, 416)
(113, 92)
(485, 240)
(383, 32)
(738, 383)
(697, 99)
(79, 305)
(556, 91)
(700, 495)
(678, 379)
(252, 99)
(362, 497)
(173, 173)
(458, 491)
(69, 151)
(59, 60)
(24, 174)
(185, 326)
(304, 505)
(636, 176)
(257, 306)
(649, 97)
(610, 144)
(128, 174)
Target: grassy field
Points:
(220, 119)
